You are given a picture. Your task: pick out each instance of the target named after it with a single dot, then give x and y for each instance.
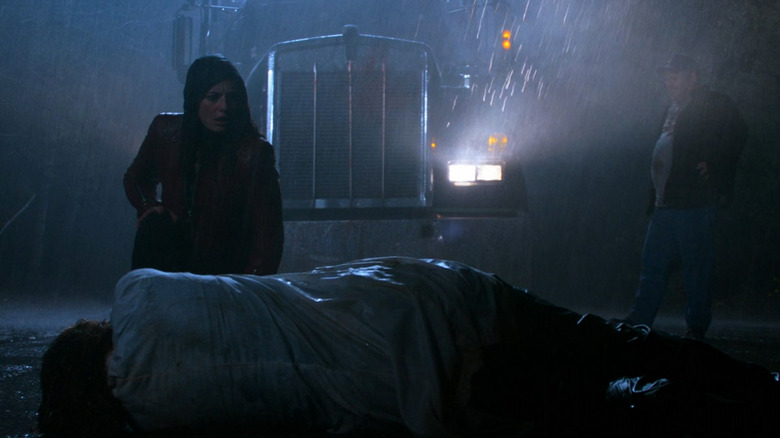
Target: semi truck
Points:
(389, 121)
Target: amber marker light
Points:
(497, 142)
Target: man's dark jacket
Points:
(709, 129)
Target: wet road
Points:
(25, 332)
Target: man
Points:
(693, 168)
(380, 347)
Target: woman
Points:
(220, 209)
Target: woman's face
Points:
(218, 105)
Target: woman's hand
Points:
(156, 209)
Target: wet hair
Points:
(203, 74)
(75, 398)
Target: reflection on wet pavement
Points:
(21, 352)
(25, 332)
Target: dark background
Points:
(81, 80)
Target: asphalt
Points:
(25, 333)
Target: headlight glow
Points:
(461, 173)
(490, 172)
(470, 174)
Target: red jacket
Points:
(236, 214)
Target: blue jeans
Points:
(685, 236)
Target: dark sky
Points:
(82, 79)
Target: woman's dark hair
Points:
(75, 398)
(203, 74)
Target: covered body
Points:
(423, 347)
(371, 343)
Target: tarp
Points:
(387, 341)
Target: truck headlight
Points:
(490, 172)
(474, 173)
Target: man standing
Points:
(693, 168)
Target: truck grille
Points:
(350, 139)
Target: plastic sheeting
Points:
(373, 343)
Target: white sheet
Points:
(372, 342)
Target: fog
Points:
(82, 79)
